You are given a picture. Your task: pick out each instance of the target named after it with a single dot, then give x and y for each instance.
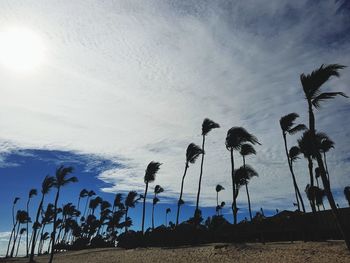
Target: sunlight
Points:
(21, 49)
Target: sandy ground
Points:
(331, 251)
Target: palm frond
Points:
(32, 192)
(294, 153)
(297, 128)
(326, 144)
(287, 121)
(247, 149)
(326, 96)
(192, 152)
(236, 136)
(47, 184)
(151, 171)
(83, 193)
(244, 174)
(158, 189)
(130, 199)
(208, 125)
(219, 188)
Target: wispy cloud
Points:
(132, 81)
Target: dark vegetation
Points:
(105, 224)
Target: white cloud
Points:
(133, 81)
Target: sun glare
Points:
(21, 49)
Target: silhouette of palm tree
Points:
(60, 180)
(118, 202)
(316, 194)
(236, 136)
(167, 211)
(311, 85)
(130, 202)
(83, 193)
(192, 153)
(326, 145)
(207, 126)
(32, 192)
(13, 224)
(287, 126)
(21, 218)
(347, 194)
(46, 185)
(157, 190)
(90, 194)
(218, 189)
(247, 149)
(94, 203)
(21, 232)
(150, 176)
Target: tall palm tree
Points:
(21, 232)
(218, 189)
(13, 224)
(157, 190)
(311, 85)
(247, 149)
(32, 192)
(83, 193)
(347, 193)
(130, 202)
(21, 218)
(288, 127)
(46, 185)
(60, 180)
(90, 194)
(207, 126)
(192, 153)
(150, 176)
(167, 211)
(236, 136)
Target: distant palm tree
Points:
(13, 224)
(94, 203)
(150, 176)
(46, 185)
(287, 126)
(83, 193)
(192, 153)
(21, 232)
(347, 194)
(60, 180)
(21, 218)
(167, 211)
(90, 194)
(157, 190)
(236, 136)
(130, 202)
(32, 192)
(311, 84)
(326, 145)
(218, 189)
(317, 194)
(247, 149)
(207, 126)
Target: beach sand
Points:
(330, 251)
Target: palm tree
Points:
(218, 189)
(287, 127)
(32, 192)
(21, 218)
(167, 211)
(316, 194)
(130, 202)
(311, 85)
(347, 193)
(326, 145)
(60, 181)
(21, 232)
(192, 153)
(236, 136)
(83, 193)
(94, 203)
(46, 185)
(157, 190)
(90, 194)
(150, 176)
(13, 224)
(118, 202)
(247, 149)
(207, 126)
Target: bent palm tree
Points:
(236, 136)
(32, 192)
(157, 190)
(150, 176)
(60, 181)
(287, 127)
(21, 218)
(311, 85)
(46, 185)
(218, 189)
(207, 126)
(130, 202)
(192, 153)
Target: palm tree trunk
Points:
(200, 178)
(325, 164)
(19, 241)
(166, 219)
(53, 235)
(248, 197)
(9, 244)
(40, 240)
(86, 204)
(31, 259)
(152, 216)
(310, 166)
(27, 237)
(144, 208)
(181, 191)
(14, 240)
(234, 205)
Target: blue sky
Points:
(122, 83)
